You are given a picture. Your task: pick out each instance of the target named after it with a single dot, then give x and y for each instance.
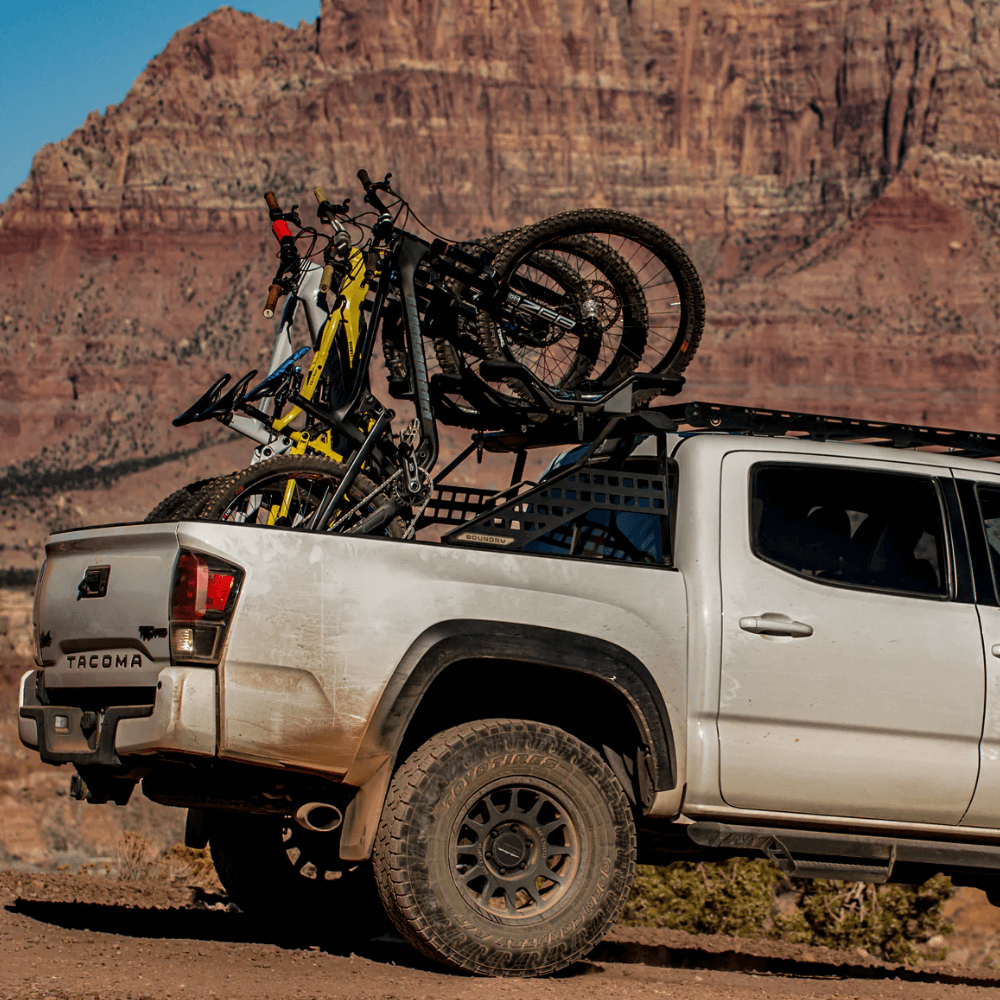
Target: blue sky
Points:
(65, 58)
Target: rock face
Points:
(832, 165)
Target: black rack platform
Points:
(755, 421)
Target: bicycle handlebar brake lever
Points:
(326, 210)
(268, 385)
(204, 401)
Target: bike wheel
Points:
(563, 359)
(186, 503)
(657, 334)
(287, 491)
(167, 508)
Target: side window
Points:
(989, 508)
(876, 530)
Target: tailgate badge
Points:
(94, 582)
(147, 632)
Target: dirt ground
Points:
(72, 929)
(83, 937)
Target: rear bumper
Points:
(182, 720)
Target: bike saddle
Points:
(228, 402)
(205, 400)
(270, 383)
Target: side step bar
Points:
(851, 857)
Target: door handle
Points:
(768, 625)
(996, 650)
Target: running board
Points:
(851, 857)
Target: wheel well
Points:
(588, 707)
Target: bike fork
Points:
(410, 255)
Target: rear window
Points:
(617, 515)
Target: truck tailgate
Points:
(103, 603)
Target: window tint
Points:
(989, 507)
(862, 529)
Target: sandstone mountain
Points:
(832, 165)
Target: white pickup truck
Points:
(748, 637)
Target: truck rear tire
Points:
(293, 879)
(505, 848)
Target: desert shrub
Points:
(135, 855)
(733, 897)
(740, 897)
(137, 858)
(190, 866)
(886, 920)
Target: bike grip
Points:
(327, 279)
(272, 300)
(366, 181)
(320, 194)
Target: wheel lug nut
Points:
(503, 871)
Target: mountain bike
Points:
(547, 305)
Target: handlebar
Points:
(372, 188)
(327, 279)
(273, 294)
(326, 211)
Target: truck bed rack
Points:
(758, 422)
(475, 507)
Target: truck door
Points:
(981, 506)
(852, 679)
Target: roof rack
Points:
(753, 420)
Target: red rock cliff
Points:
(831, 164)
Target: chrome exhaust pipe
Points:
(320, 817)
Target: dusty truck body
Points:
(790, 650)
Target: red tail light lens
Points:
(204, 595)
(190, 589)
(217, 592)
(199, 589)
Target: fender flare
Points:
(450, 641)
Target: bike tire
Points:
(621, 293)
(674, 329)
(270, 478)
(168, 506)
(181, 503)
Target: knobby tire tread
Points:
(225, 492)
(406, 904)
(592, 220)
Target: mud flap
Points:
(363, 814)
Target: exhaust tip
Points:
(320, 817)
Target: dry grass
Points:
(137, 859)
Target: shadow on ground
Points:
(232, 927)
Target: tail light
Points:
(201, 604)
